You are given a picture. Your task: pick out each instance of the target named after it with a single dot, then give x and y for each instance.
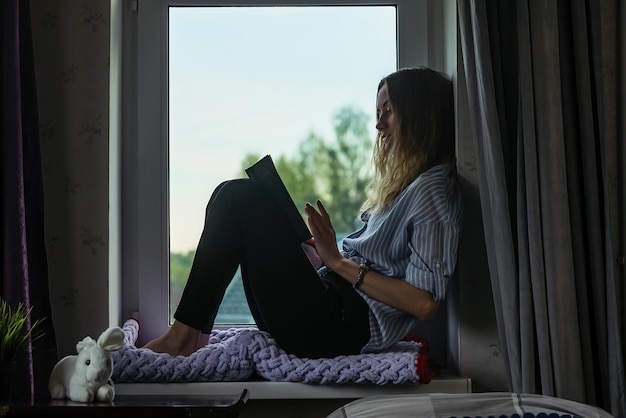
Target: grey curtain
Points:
(24, 262)
(542, 82)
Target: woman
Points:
(388, 276)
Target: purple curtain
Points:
(24, 264)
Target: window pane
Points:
(250, 81)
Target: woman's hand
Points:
(393, 292)
(323, 233)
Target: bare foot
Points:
(179, 340)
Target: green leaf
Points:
(16, 330)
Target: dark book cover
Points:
(265, 172)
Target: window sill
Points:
(261, 389)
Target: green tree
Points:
(180, 265)
(335, 172)
(348, 168)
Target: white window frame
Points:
(144, 159)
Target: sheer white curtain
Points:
(542, 85)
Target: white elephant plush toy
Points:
(86, 377)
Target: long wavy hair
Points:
(422, 100)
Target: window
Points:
(191, 132)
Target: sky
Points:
(259, 80)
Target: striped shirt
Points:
(414, 239)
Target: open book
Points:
(265, 172)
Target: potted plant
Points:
(15, 331)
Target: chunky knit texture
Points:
(236, 354)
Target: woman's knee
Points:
(234, 192)
(237, 186)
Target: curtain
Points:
(24, 264)
(542, 77)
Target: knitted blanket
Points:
(236, 354)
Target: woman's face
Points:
(385, 116)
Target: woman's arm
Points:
(393, 292)
(396, 293)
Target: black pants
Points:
(308, 316)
